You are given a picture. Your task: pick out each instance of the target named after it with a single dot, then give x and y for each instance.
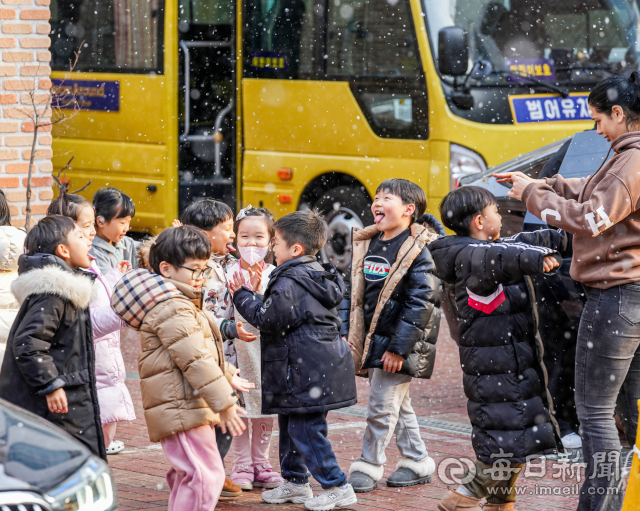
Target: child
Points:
(254, 232)
(186, 385)
(113, 395)
(307, 369)
(509, 406)
(391, 316)
(11, 247)
(114, 211)
(215, 219)
(49, 364)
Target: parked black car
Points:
(42, 468)
(560, 299)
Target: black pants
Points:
(223, 440)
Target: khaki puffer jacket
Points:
(184, 379)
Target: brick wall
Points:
(24, 78)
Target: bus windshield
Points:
(560, 41)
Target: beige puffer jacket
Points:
(11, 247)
(183, 375)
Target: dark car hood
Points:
(35, 451)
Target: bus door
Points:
(206, 160)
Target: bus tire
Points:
(344, 208)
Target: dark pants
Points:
(223, 440)
(607, 382)
(304, 443)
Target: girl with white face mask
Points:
(254, 234)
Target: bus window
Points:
(280, 39)
(371, 38)
(570, 42)
(116, 36)
(373, 45)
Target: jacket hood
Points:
(139, 291)
(321, 281)
(11, 247)
(445, 252)
(627, 141)
(50, 275)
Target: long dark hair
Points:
(621, 91)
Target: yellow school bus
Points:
(292, 103)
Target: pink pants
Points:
(255, 451)
(109, 432)
(196, 475)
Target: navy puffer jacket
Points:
(500, 351)
(306, 366)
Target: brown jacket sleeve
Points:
(182, 336)
(609, 203)
(567, 188)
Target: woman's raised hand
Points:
(520, 182)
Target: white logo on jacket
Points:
(595, 227)
(550, 212)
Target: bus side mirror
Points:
(453, 51)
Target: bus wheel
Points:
(345, 208)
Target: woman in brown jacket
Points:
(602, 211)
(186, 384)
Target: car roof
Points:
(585, 155)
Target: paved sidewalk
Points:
(440, 405)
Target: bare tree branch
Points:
(44, 114)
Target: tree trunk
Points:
(27, 221)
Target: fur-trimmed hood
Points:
(50, 275)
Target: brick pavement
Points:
(139, 471)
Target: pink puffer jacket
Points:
(113, 396)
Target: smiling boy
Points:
(391, 316)
(49, 364)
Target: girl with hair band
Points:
(254, 232)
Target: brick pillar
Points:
(24, 77)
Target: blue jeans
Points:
(607, 382)
(304, 443)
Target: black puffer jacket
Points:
(500, 351)
(50, 346)
(306, 366)
(407, 318)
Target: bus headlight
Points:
(90, 488)
(463, 162)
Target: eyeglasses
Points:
(198, 273)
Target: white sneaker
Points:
(115, 447)
(572, 441)
(333, 497)
(288, 492)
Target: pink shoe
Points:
(265, 477)
(243, 477)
